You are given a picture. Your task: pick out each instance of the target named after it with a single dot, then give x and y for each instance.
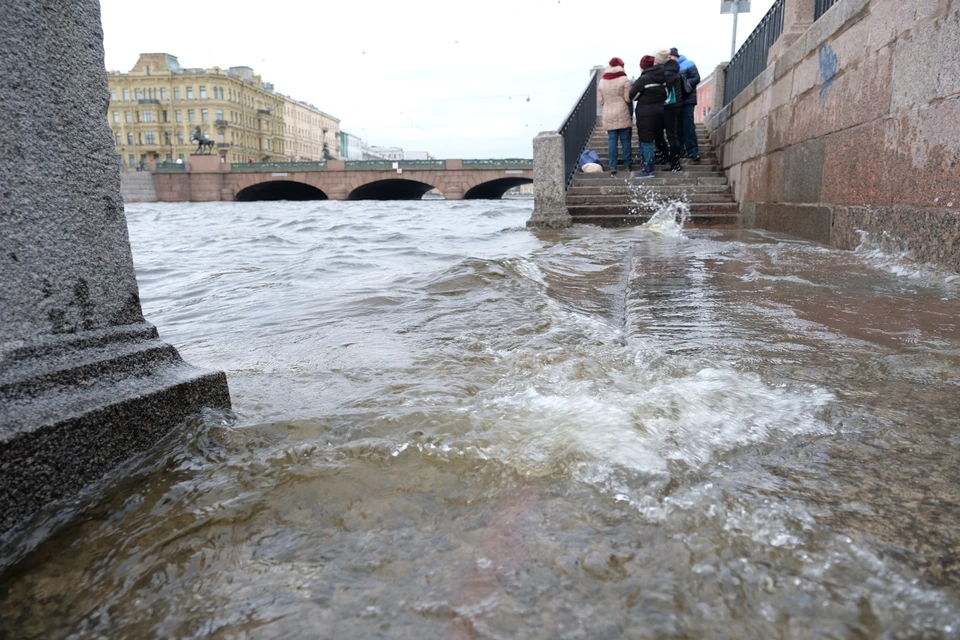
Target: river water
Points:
(449, 426)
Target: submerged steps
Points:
(625, 199)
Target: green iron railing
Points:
(278, 166)
(494, 163)
(171, 167)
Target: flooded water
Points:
(449, 426)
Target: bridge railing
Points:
(578, 126)
(380, 165)
(506, 163)
(751, 59)
(278, 166)
(171, 167)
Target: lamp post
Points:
(736, 7)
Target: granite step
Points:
(628, 199)
(698, 220)
(630, 189)
(621, 209)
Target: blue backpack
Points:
(587, 157)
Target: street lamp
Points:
(736, 7)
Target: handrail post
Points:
(798, 16)
(549, 182)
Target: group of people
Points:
(665, 94)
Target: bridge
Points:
(203, 178)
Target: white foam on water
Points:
(668, 220)
(887, 254)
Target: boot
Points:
(647, 171)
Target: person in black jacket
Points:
(690, 72)
(648, 92)
(673, 111)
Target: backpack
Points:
(686, 89)
(587, 157)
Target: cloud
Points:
(449, 78)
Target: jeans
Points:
(690, 131)
(623, 135)
(649, 152)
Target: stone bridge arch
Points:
(279, 189)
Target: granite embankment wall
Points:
(855, 127)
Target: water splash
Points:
(668, 220)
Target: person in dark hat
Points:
(673, 111)
(691, 74)
(649, 93)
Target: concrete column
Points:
(85, 383)
(549, 182)
(797, 18)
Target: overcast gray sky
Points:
(444, 76)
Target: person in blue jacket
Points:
(689, 128)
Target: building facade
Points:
(309, 134)
(704, 100)
(157, 106)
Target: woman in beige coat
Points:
(613, 94)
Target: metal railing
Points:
(171, 167)
(750, 61)
(494, 163)
(578, 126)
(822, 7)
(278, 166)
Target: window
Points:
(266, 145)
(203, 115)
(169, 158)
(148, 116)
(132, 160)
(148, 69)
(180, 137)
(176, 93)
(151, 137)
(163, 93)
(139, 94)
(203, 93)
(219, 114)
(220, 137)
(126, 94)
(118, 139)
(116, 116)
(180, 156)
(130, 138)
(191, 116)
(178, 116)
(113, 94)
(189, 93)
(128, 115)
(166, 138)
(166, 116)
(120, 159)
(206, 134)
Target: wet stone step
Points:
(661, 179)
(709, 220)
(623, 209)
(720, 198)
(630, 189)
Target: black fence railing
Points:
(751, 59)
(578, 126)
(822, 7)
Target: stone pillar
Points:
(549, 182)
(85, 383)
(797, 18)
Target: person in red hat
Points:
(613, 94)
(649, 93)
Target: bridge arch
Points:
(280, 190)
(494, 189)
(390, 189)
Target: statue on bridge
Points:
(203, 142)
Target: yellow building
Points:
(157, 105)
(309, 134)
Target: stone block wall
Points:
(855, 127)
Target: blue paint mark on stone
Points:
(829, 64)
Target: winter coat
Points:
(689, 71)
(671, 71)
(648, 91)
(614, 97)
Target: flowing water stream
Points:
(449, 426)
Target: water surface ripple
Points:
(450, 426)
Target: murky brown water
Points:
(448, 426)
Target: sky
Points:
(458, 79)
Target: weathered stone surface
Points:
(930, 235)
(855, 166)
(928, 64)
(804, 221)
(84, 382)
(549, 182)
(803, 172)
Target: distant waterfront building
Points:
(157, 105)
(704, 100)
(309, 134)
(417, 155)
(384, 153)
(351, 147)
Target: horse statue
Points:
(203, 142)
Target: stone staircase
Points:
(137, 186)
(626, 200)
